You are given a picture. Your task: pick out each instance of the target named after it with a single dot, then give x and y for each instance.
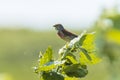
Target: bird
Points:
(63, 33)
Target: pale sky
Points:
(42, 14)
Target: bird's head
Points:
(58, 26)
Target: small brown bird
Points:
(63, 33)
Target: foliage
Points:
(73, 60)
(108, 40)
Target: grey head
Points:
(58, 27)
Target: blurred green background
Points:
(19, 49)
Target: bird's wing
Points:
(67, 33)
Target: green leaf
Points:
(50, 65)
(86, 53)
(84, 59)
(52, 76)
(46, 57)
(72, 59)
(87, 42)
(75, 70)
(82, 39)
(46, 67)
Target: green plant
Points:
(73, 60)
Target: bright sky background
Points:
(42, 14)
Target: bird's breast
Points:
(63, 36)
